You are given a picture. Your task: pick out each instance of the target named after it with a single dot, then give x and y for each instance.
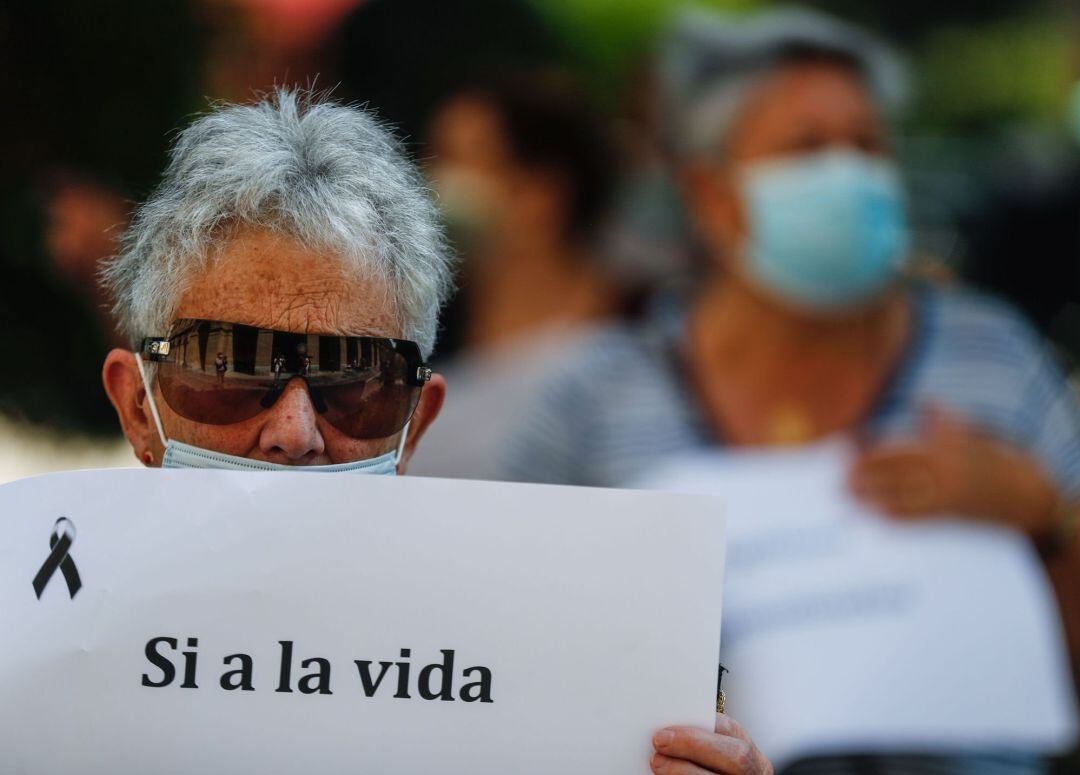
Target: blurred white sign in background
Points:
(848, 633)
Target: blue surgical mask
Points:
(181, 455)
(827, 231)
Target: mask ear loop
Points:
(401, 443)
(150, 399)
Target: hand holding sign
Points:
(686, 750)
(954, 468)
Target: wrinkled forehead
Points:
(270, 281)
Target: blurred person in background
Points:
(254, 45)
(647, 239)
(481, 95)
(524, 171)
(98, 88)
(83, 220)
(315, 227)
(95, 89)
(804, 325)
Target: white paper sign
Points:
(848, 633)
(233, 622)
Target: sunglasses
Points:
(219, 373)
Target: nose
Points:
(291, 434)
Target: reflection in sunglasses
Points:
(367, 387)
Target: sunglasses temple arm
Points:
(401, 444)
(150, 400)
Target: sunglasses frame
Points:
(417, 373)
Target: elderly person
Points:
(280, 227)
(294, 235)
(804, 325)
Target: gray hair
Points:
(324, 174)
(711, 62)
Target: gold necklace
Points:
(788, 423)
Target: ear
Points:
(431, 401)
(125, 389)
(715, 206)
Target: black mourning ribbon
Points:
(63, 536)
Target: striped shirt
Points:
(619, 402)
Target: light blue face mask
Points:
(181, 455)
(827, 231)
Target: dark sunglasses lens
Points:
(201, 397)
(360, 385)
(375, 404)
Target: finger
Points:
(877, 487)
(876, 471)
(666, 765)
(902, 508)
(726, 725)
(891, 453)
(900, 503)
(904, 487)
(717, 753)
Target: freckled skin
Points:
(262, 279)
